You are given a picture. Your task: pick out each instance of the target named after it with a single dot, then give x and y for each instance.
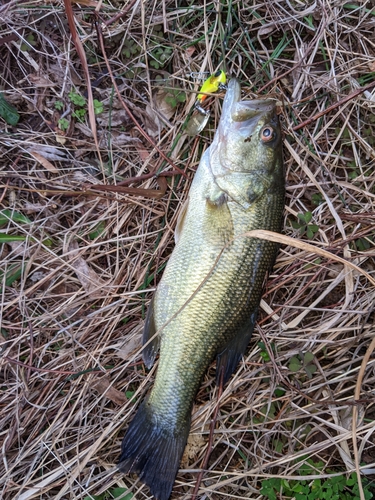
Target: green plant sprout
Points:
(30, 42)
(317, 199)
(160, 55)
(332, 488)
(80, 108)
(304, 225)
(130, 48)
(263, 351)
(175, 96)
(76, 99)
(59, 105)
(363, 244)
(63, 124)
(303, 361)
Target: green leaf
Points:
(4, 333)
(308, 217)
(310, 233)
(77, 99)
(7, 238)
(8, 112)
(98, 107)
(13, 273)
(294, 364)
(63, 124)
(278, 445)
(317, 199)
(98, 230)
(279, 392)
(79, 114)
(353, 174)
(6, 215)
(270, 487)
(171, 100)
(308, 357)
(310, 370)
(181, 97)
(265, 356)
(31, 41)
(59, 105)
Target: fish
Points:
(206, 303)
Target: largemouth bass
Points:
(206, 303)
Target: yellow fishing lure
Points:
(199, 119)
(212, 84)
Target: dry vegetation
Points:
(76, 284)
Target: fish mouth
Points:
(243, 115)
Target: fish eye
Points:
(267, 134)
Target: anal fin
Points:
(229, 357)
(149, 338)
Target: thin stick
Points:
(120, 14)
(211, 437)
(82, 56)
(334, 106)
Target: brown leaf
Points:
(131, 346)
(266, 30)
(115, 118)
(103, 386)
(40, 81)
(190, 51)
(90, 281)
(159, 114)
(44, 162)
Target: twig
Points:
(82, 57)
(120, 14)
(43, 370)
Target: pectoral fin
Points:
(150, 350)
(229, 358)
(218, 223)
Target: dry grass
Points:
(70, 325)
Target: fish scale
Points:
(206, 303)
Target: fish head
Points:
(249, 135)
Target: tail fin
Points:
(153, 451)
